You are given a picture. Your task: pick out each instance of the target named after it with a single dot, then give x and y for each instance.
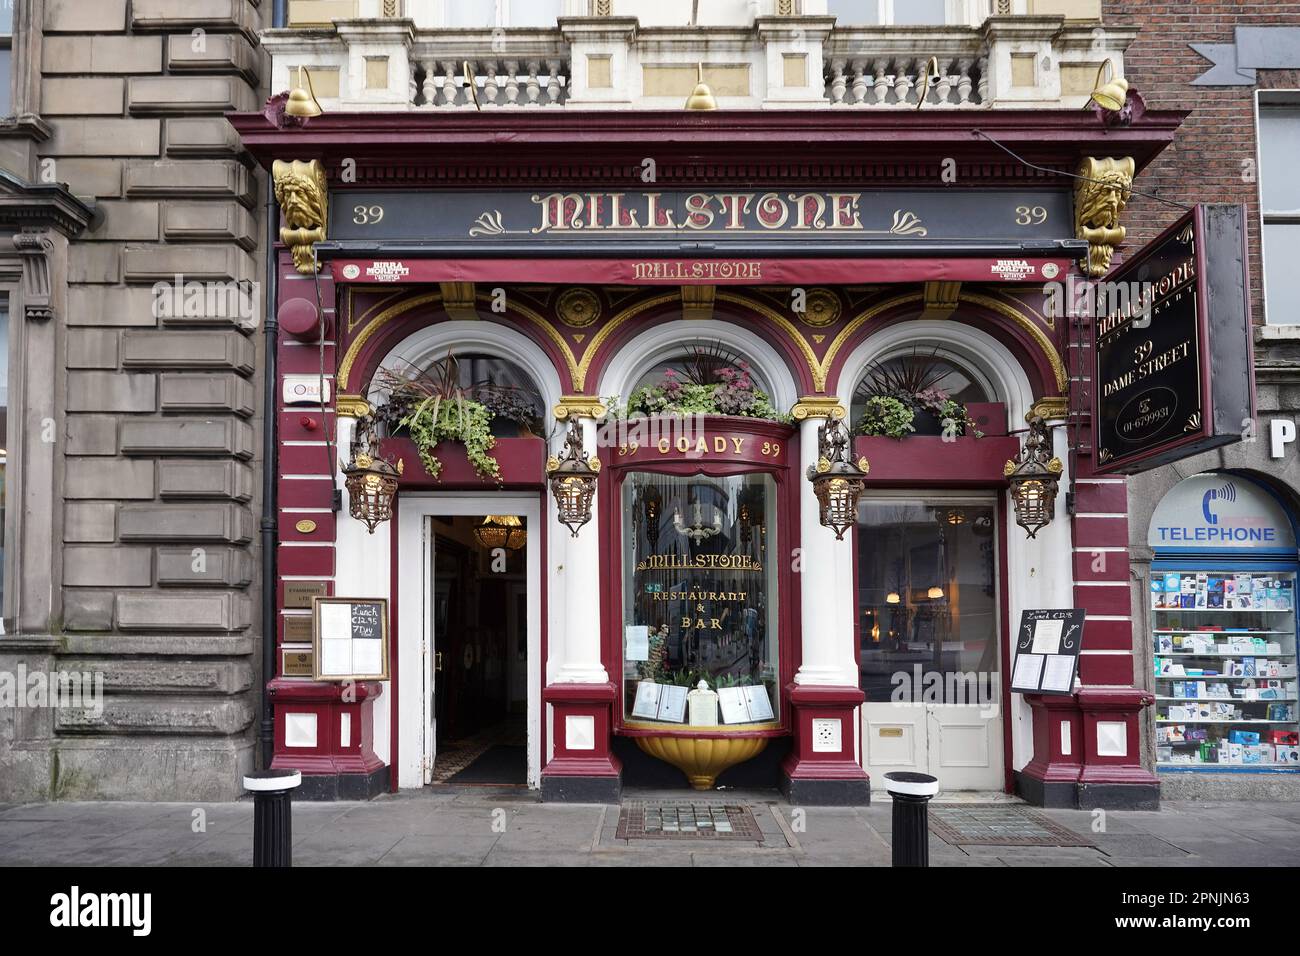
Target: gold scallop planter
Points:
(702, 759)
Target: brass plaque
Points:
(297, 630)
(891, 731)
(298, 594)
(295, 663)
(305, 526)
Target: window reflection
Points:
(699, 596)
(927, 594)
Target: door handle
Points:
(437, 661)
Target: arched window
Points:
(506, 389)
(707, 377)
(925, 382)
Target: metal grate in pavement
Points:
(999, 825)
(688, 820)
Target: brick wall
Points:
(1206, 162)
(162, 436)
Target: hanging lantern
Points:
(501, 531)
(573, 480)
(837, 481)
(1033, 477)
(371, 481)
(935, 593)
(892, 598)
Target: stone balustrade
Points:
(775, 63)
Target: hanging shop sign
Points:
(486, 219)
(1047, 650)
(349, 638)
(1172, 373)
(675, 439)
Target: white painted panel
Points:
(300, 730)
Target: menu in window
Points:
(660, 702)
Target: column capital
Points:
(583, 406)
(818, 406)
(1049, 408)
(352, 406)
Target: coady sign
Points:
(1172, 366)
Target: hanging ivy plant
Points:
(460, 420)
(432, 408)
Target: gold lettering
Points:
(738, 443)
(719, 444)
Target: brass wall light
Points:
(701, 97)
(573, 480)
(302, 103)
(836, 480)
(1111, 94)
(371, 480)
(1034, 475)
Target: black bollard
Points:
(911, 793)
(272, 815)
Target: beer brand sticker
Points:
(351, 270)
(1011, 269)
(388, 271)
(1051, 270)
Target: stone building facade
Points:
(131, 532)
(133, 265)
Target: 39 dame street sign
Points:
(1172, 366)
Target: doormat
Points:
(688, 820)
(500, 765)
(999, 825)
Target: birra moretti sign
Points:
(1171, 370)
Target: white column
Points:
(825, 583)
(577, 562)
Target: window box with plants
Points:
(451, 432)
(909, 426)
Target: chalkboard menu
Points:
(350, 638)
(1047, 651)
(1172, 351)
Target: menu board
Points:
(349, 638)
(1047, 651)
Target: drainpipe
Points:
(270, 428)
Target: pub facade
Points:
(692, 447)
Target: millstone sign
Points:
(1172, 370)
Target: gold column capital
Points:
(1048, 408)
(1099, 197)
(584, 406)
(818, 406)
(352, 406)
(302, 190)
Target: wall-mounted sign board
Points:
(1047, 650)
(350, 638)
(468, 219)
(295, 663)
(1172, 360)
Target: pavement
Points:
(478, 826)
